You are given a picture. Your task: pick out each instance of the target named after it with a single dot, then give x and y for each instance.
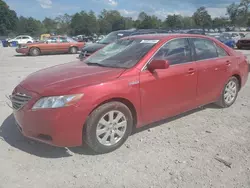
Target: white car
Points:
(22, 39)
(234, 35)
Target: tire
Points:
(93, 125)
(224, 102)
(73, 50)
(34, 52)
(29, 42)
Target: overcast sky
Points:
(161, 8)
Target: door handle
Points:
(228, 63)
(191, 71)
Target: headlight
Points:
(57, 101)
(24, 47)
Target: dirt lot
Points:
(178, 152)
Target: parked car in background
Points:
(225, 38)
(234, 35)
(112, 37)
(196, 31)
(244, 42)
(22, 39)
(125, 85)
(53, 44)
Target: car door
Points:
(50, 45)
(168, 92)
(63, 44)
(212, 65)
(18, 39)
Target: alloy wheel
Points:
(230, 92)
(111, 128)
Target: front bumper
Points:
(22, 50)
(60, 127)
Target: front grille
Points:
(19, 100)
(245, 41)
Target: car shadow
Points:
(10, 134)
(158, 123)
(49, 54)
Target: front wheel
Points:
(230, 93)
(73, 50)
(34, 52)
(108, 127)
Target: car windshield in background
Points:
(111, 37)
(69, 39)
(247, 36)
(122, 53)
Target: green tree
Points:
(220, 22)
(128, 23)
(30, 26)
(146, 21)
(8, 19)
(188, 22)
(202, 18)
(111, 21)
(84, 23)
(63, 24)
(50, 25)
(174, 21)
(233, 12)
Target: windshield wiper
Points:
(96, 64)
(102, 42)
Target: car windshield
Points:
(121, 54)
(247, 36)
(111, 37)
(226, 35)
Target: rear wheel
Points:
(108, 127)
(73, 50)
(29, 42)
(230, 93)
(34, 52)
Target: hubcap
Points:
(35, 51)
(73, 50)
(111, 128)
(230, 92)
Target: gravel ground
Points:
(178, 152)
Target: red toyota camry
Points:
(130, 83)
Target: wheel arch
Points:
(73, 46)
(126, 102)
(31, 47)
(239, 79)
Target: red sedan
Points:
(130, 83)
(54, 44)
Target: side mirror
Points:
(158, 64)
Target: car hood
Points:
(244, 39)
(60, 79)
(91, 48)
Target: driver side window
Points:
(63, 40)
(177, 51)
(52, 40)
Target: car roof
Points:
(131, 31)
(166, 36)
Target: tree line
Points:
(89, 23)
